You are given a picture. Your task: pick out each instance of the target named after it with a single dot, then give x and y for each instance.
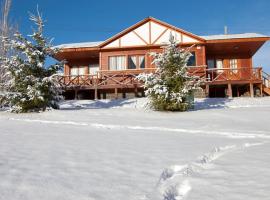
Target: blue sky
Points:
(94, 20)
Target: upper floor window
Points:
(211, 63)
(192, 59)
(93, 69)
(136, 62)
(219, 64)
(233, 64)
(75, 70)
(117, 62)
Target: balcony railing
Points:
(127, 78)
(228, 74)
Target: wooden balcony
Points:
(127, 78)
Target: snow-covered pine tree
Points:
(32, 86)
(171, 87)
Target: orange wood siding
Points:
(80, 63)
(104, 56)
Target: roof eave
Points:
(259, 39)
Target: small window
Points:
(117, 62)
(192, 59)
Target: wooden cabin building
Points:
(108, 69)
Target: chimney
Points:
(225, 30)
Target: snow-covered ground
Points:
(119, 150)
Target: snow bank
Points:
(136, 103)
(142, 103)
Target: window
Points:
(219, 63)
(136, 62)
(233, 65)
(210, 64)
(81, 70)
(75, 70)
(142, 62)
(132, 60)
(117, 62)
(93, 69)
(192, 59)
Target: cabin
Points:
(108, 69)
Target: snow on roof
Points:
(233, 36)
(79, 45)
(209, 37)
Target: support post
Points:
(251, 89)
(207, 90)
(96, 88)
(116, 93)
(96, 93)
(261, 89)
(229, 90)
(135, 90)
(76, 94)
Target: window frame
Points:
(195, 57)
(233, 63)
(115, 56)
(137, 64)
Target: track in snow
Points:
(175, 181)
(234, 134)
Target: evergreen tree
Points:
(32, 85)
(171, 87)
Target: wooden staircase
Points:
(266, 83)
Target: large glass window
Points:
(117, 62)
(192, 59)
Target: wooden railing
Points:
(266, 79)
(228, 74)
(127, 78)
